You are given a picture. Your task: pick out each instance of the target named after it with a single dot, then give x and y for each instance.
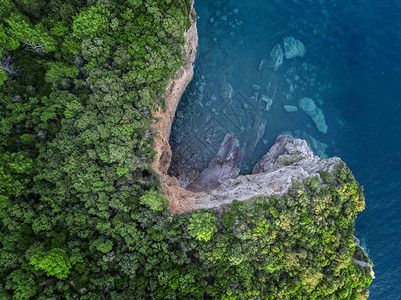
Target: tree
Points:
(154, 200)
(54, 262)
(202, 226)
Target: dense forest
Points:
(81, 212)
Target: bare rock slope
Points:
(289, 159)
(174, 91)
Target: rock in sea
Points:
(223, 166)
(293, 48)
(276, 57)
(290, 108)
(309, 107)
(268, 101)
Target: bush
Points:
(202, 226)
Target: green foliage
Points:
(3, 76)
(154, 200)
(54, 262)
(202, 226)
(91, 22)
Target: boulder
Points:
(276, 57)
(293, 48)
(266, 101)
(308, 106)
(290, 108)
(225, 165)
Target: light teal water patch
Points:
(351, 70)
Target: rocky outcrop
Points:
(289, 159)
(174, 91)
(293, 48)
(361, 258)
(225, 165)
(276, 57)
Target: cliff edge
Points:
(288, 160)
(174, 91)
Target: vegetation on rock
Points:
(80, 212)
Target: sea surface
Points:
(351, 70)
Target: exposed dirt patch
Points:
(176, 195)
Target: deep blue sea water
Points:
(352, 72)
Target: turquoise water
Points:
(351, 70)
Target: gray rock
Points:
(290, 108)
(284, 152)
(288, 160)
(252, 135)
(226, 91)
(225, 165)
(262, 62)
(293, 48)
(318, 147)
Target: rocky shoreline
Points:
(287, 160)
(174, 91)
(220, 183)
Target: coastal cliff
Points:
(165, 117)
(291, 219)
(288, 160)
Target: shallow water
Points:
(351, 70)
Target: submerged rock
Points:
(316, 146)
(271, 85)
(226, 90)
(290, 108)
(293, 48)
(251, 137)
(276, 57)
(179, 114)
(262, 62)
(267, 102)
(308, 106)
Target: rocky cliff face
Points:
(289, 159)
(174, 91)
(225, 165)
